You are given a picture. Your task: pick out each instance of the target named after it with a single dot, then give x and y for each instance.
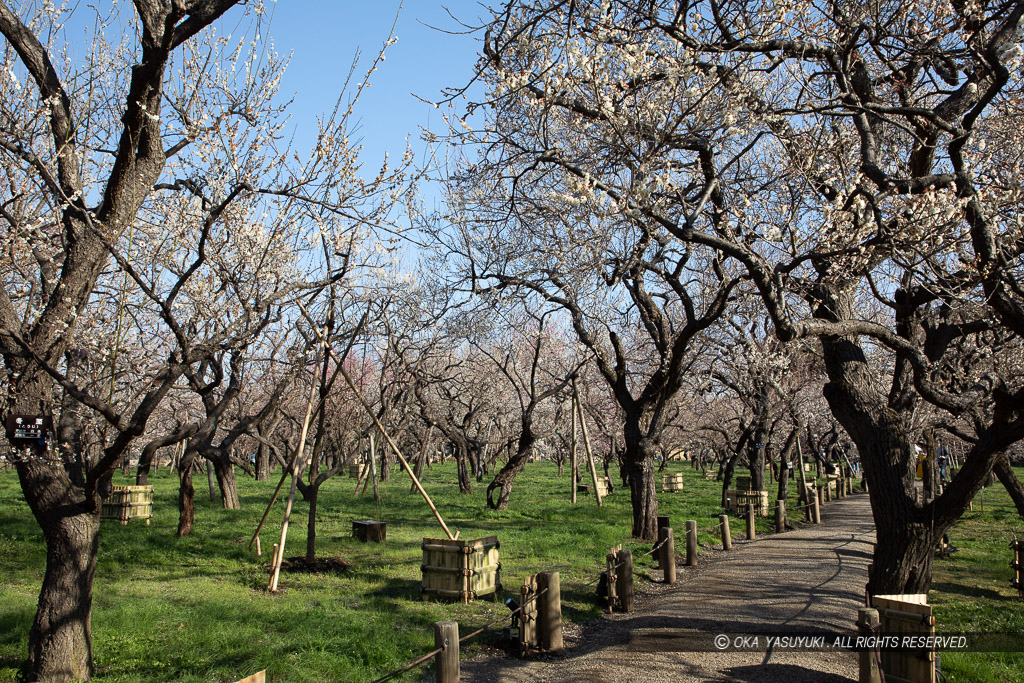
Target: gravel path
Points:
(807, 580)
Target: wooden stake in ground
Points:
(586, 441)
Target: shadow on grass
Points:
(970, 591)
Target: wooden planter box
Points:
(603, 486)
(370, 530)
(738, 501)
(672, 482)
(711, 475)
(907, 614)
(460, 569)
(128, 502)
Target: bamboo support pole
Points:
(296, 466)
(319, 407)
(586, 441)
(373, 468)
(384, 433)
(572, 452)
(803, 474)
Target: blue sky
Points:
(324, 35)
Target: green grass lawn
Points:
(971, 588)
(195, 609)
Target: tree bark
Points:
(226, 481)
(1009, 480)
(186, 493)
(60, 640)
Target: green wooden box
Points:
(460, 569)
(128, 502)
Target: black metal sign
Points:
(22, 430)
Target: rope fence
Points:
(612, 576)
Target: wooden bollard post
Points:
(751, 529)
(815, 511)
(821, 495)
(259, 551)
(828, 491)
(446, 662)
(668, 557)
(808, 511)
(625, 580)
(867, 625)
(723, 520)
(691, 543)
(549, 611)
(780, 516)
(661, 540)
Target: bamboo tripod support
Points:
(296, 466)
(383, 432)
(586, 441)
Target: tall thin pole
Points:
(586, 442)
(296, 466)
(573, 467)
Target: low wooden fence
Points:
(538, 611)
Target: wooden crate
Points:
(370, 530)
(460, 569)
(604, 485)
(742, 483)
(901, 615)
(738, 501)
(128, 502)
(711, 475)
(672, 482)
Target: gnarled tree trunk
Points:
(60, 641)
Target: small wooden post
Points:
(668, 557)
(828, 491)
(446, 662)
(821, 495)
(867, 625)
(259, 551)
(780, 516)
(273, 555)
(691, 543)
(751, 529)
(549, 611)
(663, 523)
(815, 511)
(625, 580)
(723, 520)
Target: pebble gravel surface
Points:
(802, 583)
